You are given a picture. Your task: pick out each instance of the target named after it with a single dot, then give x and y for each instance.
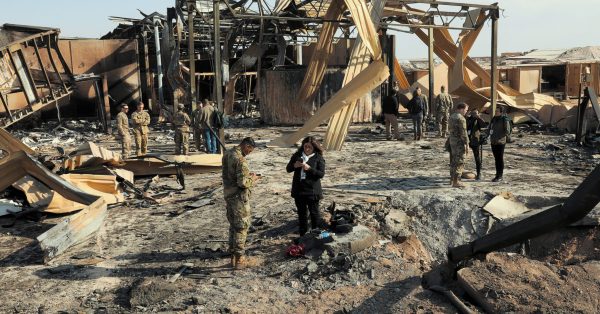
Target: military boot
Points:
(245, 262)
(456, 183)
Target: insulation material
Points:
(324, 48)
(337, 128)
(375, 74)
(38, 195)
(401, 77)
(90, 155)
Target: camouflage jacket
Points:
(443, 103)
(182, 121)
(122, 123)
(236, 174)
(457, 129)
(141, 120)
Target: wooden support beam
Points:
(359, 61)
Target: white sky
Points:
(523, 25)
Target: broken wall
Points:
(279, 105)
(117, 59)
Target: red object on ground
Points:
(295, 250)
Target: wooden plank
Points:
(359, 60)
(323, 50)
(11, 145)
(20, 164)
(594, 100)
(73, 230)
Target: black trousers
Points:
(477, 154)
(498, 151)
(304, 207)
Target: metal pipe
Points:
(495, 15)
(459, 4)
(577, 206)
(431, 70)
(159, 70)
(191, 51)
(387, 26)
(218, 62)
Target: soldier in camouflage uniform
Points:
(123, 129)
(182, 122)
(458, 142)
(141, 120)
(443, 104)
(237, 185)
(197, 125)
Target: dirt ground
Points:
(126, 266)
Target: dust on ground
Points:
(142, 245)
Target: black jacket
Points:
(418, 104)
(390, 105)
(311, 186)
(474, 126)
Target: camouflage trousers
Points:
(141, 143)
(442, 123)
(238, 215)
(125, 145)
(182, 142)
(457, 158)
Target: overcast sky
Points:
(524, 24)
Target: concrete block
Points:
(359, 239)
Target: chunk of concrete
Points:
(396, 224)
(355, 241)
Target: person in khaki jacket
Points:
(197, 125)
(141, 120)
(123, 129)
(443, 104)
(182, 122)
(458, 141)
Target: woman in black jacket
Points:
(474, 126)
(308, 166)
(500, 131)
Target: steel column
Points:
(159, 70)
(430, 56)
(218, 81)
(494, 15)
(191, 53)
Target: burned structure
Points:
(30, 84)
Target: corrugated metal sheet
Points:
(279, 105)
